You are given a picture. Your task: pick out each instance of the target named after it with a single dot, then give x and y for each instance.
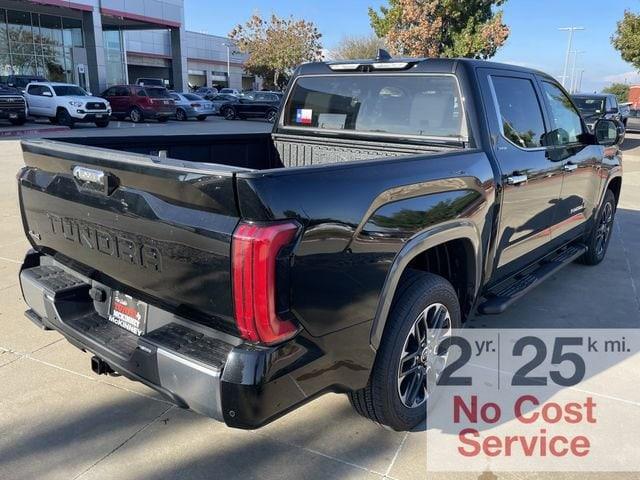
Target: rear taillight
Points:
(254, 255)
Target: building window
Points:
(114, 57)
(38, 44)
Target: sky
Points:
(534, 41)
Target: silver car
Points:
(190, 105)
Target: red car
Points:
(140, 103)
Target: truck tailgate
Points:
(159, 229)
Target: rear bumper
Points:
(243, 385)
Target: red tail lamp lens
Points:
(254, 252)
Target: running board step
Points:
(500, 297)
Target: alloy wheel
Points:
(604, 229)
(420, 365)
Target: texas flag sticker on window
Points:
(304, 116)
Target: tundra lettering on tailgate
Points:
(108, 243)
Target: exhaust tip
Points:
(100, 367)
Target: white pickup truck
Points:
(66, 104)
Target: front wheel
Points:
(135, 114)
(598, 240)
(63, 118)
(407, 365)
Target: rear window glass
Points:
(589, 106)
(158, 92)
(417, 105)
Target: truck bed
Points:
(255, 150)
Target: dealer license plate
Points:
(128, 313)
(99, 115)
(13, 115)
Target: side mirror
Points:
(608, 132)
(47, 94)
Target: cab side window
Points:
(519, 110)
(565, 119)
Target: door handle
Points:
(517, 179)
(570, 167)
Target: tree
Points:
(441, 28)
(277, 46)
(351, 48)
(626, 39)
(620, 90)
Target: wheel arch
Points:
(459, 232)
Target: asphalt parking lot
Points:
(60, 421)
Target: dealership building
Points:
(98, 43)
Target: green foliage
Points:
(276, 46)
(441, 28)
(626, 39)
(620, 90)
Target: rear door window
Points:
(520, 112)
(391, 105)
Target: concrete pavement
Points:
(60, 421)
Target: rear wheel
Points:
(407, 364)
(63, 118)
(181, 115)
(102, 123)
(598, 240)
(135, 114)
(271, 116)
(229, 113)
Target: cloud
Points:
(631, 77)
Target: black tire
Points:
(136, 115)
(102, 123)
(229, 113)
(271, 116)
(162, 119)
(63, 118)
(200, 118)
(598, 239)
(381, 400)
(17, 121)
(181, 115)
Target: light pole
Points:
(228, 45)
(573, 85)
(579, 89)
(566, 58)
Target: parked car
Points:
(596, 106)
(140, 103)
(252, 105)
(245, 275)
(21, 81)
(625, 112)
(230, 91)
(12, 106)
(206, 92)
(190, 105)
(150, 82)
(633, 121)
(220, 99)
(66, 104)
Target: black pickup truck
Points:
(244, 275)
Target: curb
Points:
(31, 131)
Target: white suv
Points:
(66, 104)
